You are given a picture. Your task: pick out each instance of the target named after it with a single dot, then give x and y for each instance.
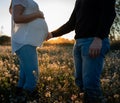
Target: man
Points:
(91, 20)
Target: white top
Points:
(32, 33)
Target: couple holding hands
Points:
(91, 20)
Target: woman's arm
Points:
(20, 18)
(10, 8)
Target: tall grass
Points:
(56, 81)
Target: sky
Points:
(56, 12)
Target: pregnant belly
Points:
(33, 33)
(37, 28)
(37, 24)
(37, 32)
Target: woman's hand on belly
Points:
(40, 14)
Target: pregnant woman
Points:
(29, 30)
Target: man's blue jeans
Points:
(87, 69)
(28, 67)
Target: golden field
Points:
(56, 81)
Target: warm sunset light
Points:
(37, 65)
(56, 12)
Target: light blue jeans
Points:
(28, 67)
(88, 70)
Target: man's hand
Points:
(49, 36)
(95, 47)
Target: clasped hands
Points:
(49, 36)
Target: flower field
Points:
(56, 81)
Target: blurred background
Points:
(56, 12)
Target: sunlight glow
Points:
(56, 12)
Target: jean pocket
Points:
(105, 50)
(105, 47)
(85, 50)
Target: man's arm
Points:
(106, 18)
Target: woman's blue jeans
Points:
(87, 69)
(28, 67)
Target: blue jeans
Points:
(28, 67)
(87, 69)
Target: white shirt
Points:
(32, 33)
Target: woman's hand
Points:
(95, 47)
(10, 8)
(40, 14)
